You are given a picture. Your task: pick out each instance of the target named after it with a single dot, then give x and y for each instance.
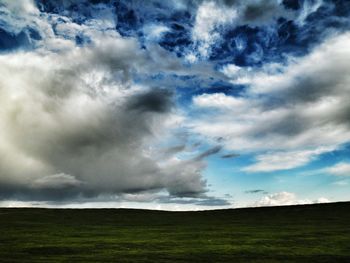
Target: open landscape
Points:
(305, 233)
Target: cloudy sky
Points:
(174, 104)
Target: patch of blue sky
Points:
(292, 4)
(314, 176)
(225, 175)
(10, 41)
(17, 32)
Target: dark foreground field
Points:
(316, 233)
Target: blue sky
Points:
(174, 104)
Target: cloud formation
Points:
(214, 18)
(79, 128)
(291, 114)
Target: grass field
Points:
(313, 233)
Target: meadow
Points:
(305, 233)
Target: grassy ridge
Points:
(313, 233)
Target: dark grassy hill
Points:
(310, 233)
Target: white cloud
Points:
(231, 70)
(82, 125)
(17, 15)
(321, 200)
(286, 198)
(340, 169)
(23, 7)
(293, 112)
(307, 8)
(285, 160)
(154, 31)
(56, 181)
(209, 18)
(219, 100)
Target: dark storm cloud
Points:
(156, 100)
(86, 138)
(193, 167)
(56, 191)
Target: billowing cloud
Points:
(75, 121)
(190, 169)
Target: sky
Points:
(174, 104)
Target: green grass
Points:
(314, 233)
